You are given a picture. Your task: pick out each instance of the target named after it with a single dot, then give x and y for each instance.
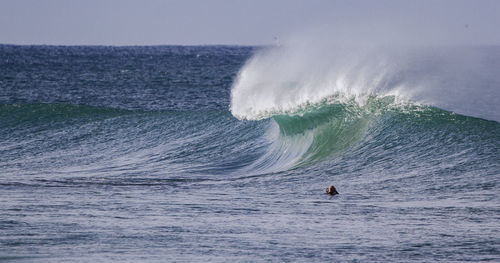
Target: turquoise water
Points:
(135, 154)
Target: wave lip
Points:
(286, 79)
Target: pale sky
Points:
(238, 22)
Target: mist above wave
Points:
(283, 79)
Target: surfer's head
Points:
(331, 190)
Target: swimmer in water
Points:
(331, 190)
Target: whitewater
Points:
(224, 153)
(283, 80)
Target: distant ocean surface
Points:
(223, 154)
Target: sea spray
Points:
(283, 80)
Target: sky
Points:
(250, 22)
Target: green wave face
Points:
(42, 115)
(336, 127)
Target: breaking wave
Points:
(323, 102)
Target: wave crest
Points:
(284, 80)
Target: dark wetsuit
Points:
(331, 190)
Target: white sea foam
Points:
(280, 80)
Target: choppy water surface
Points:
(212, 154)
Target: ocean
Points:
(224, 153)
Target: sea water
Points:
(221, 153)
